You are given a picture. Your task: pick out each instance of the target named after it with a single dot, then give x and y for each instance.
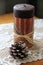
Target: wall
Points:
(11, 3)
(2, 7)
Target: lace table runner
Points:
(7, 38)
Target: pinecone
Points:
(19, 50)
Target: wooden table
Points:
(8, 18)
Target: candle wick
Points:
(24, 5)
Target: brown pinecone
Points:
(19, 50)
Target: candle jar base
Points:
(23, 40)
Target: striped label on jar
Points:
(24, 26)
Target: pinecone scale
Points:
(19, 50)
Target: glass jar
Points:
(24, 22)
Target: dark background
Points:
(6, 6)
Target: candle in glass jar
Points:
(24, 22)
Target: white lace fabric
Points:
(7, 38)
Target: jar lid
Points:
(23, 10)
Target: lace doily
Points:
(7, 38)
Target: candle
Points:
(24, 22)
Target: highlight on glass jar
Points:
(24, 23)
